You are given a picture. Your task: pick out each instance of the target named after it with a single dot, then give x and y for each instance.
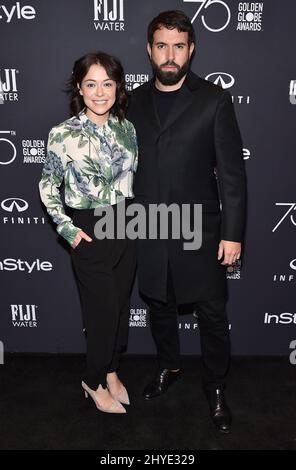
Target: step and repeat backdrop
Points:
(247, 48)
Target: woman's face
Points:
(98, 92)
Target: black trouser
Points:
(105, 271)
(214, 335)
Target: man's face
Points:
(170, 55)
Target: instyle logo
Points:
(12, 264)
(109, 15)
(207, 8)
(17, 12)
(24, 315)
(284, 318)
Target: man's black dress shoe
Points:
(220, 412)
(161, 383)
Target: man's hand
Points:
(80, 235)
(230, 250)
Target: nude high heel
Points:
(115, 407)
(122, 397)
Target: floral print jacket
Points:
(96, 163)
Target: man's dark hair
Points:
(171, 19)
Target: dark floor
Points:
(43, 407)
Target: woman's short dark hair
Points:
(114, 71)
(171, 19)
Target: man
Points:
(187, 134)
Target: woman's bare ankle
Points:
(112, 378)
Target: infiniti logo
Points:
(14, 203)
(225, 80)
(293, 264)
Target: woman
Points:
(95, 154)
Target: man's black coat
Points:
(179, 162)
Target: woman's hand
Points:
(80, 235)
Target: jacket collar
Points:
(184, 98)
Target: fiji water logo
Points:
(8, 85)
(109, 15)
(24, 316)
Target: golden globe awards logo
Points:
(138, 317)
(33, 150)
(134, 80)
(234, 271)
(250, 16)
(109, 15)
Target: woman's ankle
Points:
(112, 377)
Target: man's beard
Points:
(170, 78)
